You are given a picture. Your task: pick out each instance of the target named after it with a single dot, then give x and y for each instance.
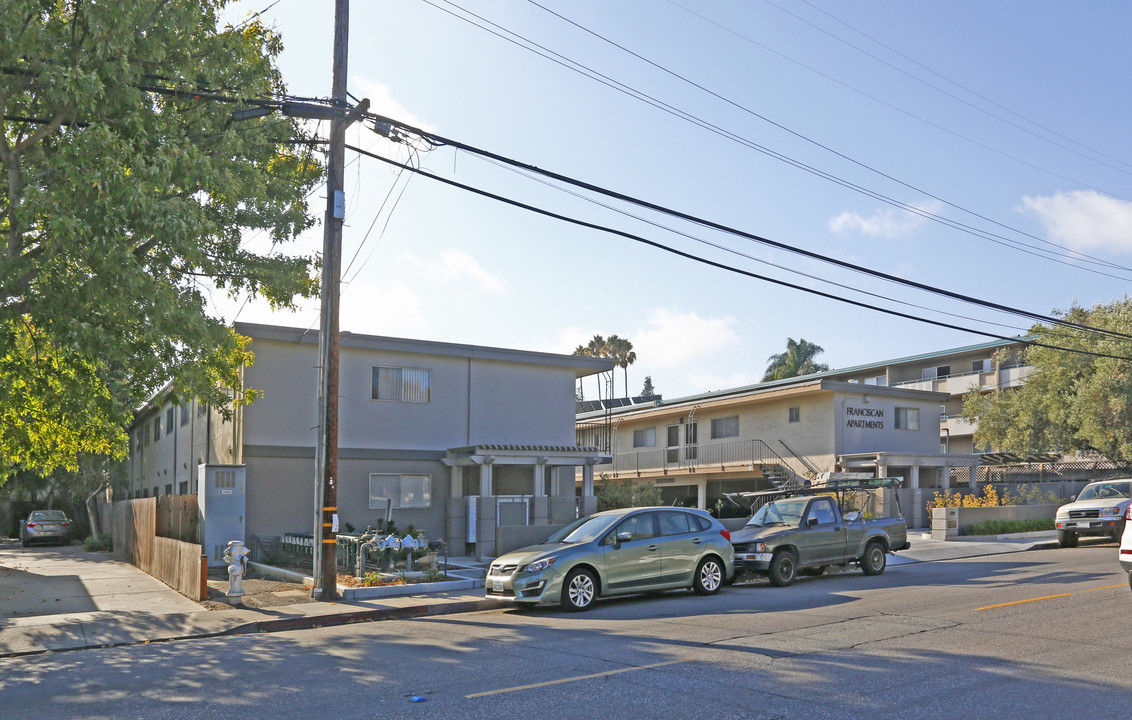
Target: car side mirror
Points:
(851, 516)
(811, 521)
(622, 537)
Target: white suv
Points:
(1098, 510)
(1126, 546)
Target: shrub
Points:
(1004, 527)
(613, 495)
(103, 543)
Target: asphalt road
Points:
(1042, 634)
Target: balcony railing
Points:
(692, 457)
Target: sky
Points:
(977, 148)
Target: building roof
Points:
(813, 377)
(583, 365)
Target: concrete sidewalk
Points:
(67, 599)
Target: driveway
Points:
(65, 590)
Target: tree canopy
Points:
(127, 191)
(1070, 402)
(798, 359)
(617, 349)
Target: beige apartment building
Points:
(897, 418)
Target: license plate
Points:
(1084, 524)
(497, 586)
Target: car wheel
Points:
(579, 590)
(783, 568)
(1066, 538)
(24, 543)
(708, 577)
(874, 559)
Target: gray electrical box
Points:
(221, 498)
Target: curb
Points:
(348, 618)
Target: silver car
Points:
(1098, 511)
(617, 552)
(45, 526)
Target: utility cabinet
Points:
(222, 499)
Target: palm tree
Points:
(621, 350)
(797, 360)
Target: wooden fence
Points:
(180, 565)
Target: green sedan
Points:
(617, 552)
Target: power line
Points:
(722, 266)
(592, 74)
(440, 140)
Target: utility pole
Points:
(326, 483)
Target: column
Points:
(540, 504)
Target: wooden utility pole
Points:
(326, 584)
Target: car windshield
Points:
(779, 512)
(583, 530)
(1106, 491)
(48, 516)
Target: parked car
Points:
(1099, 510)
(45, 526)
(807, 534)
(617, 552)
(1126, 546)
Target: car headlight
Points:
(1113, 510)
(759, 547)
(538, 566)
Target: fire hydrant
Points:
(236, 555)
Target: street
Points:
(1040, 634)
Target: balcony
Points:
(690, 458)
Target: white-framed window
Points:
(725, 427)
(405, 490)
(907, 418)
(879, 380)
(936, 372)
(795, 414)
(396, 384)
(645, 437)
(984, 365)
(169, 423)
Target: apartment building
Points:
(472, 444)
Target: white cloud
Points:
(391, 309)
(886, 222)
(383, 103)
(1084, 220)
(454, 265)
(676, 339)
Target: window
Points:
(410, 385)
(879, 380)
(169, 423)
(406, 491)
(983, 365)
(823, 511)
(202, 408)
(725, 427)
(675, 523)
(157, 428)
(184, 415)
(641, 526)
(644, 438)
(169, 488)
(795, 414)
(936, 372)
(183, 487)
(907, 418)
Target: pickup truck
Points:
(807, 534)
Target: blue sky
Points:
(1010, 118)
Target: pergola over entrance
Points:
(502, 494)
(911, 467)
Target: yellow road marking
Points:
(1020, 602)
(1106, 587)
(574, 679)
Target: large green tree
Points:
(798, 359)
(1070, 402)
(126, 191)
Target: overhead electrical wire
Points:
(719, 265)
(1021, 246)
(439, 140)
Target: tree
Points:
(647, 390)
(1071, 402)
(612, 495)
(122, 206)
(797, 360)
(621, 350)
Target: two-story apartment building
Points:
(433, 429)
